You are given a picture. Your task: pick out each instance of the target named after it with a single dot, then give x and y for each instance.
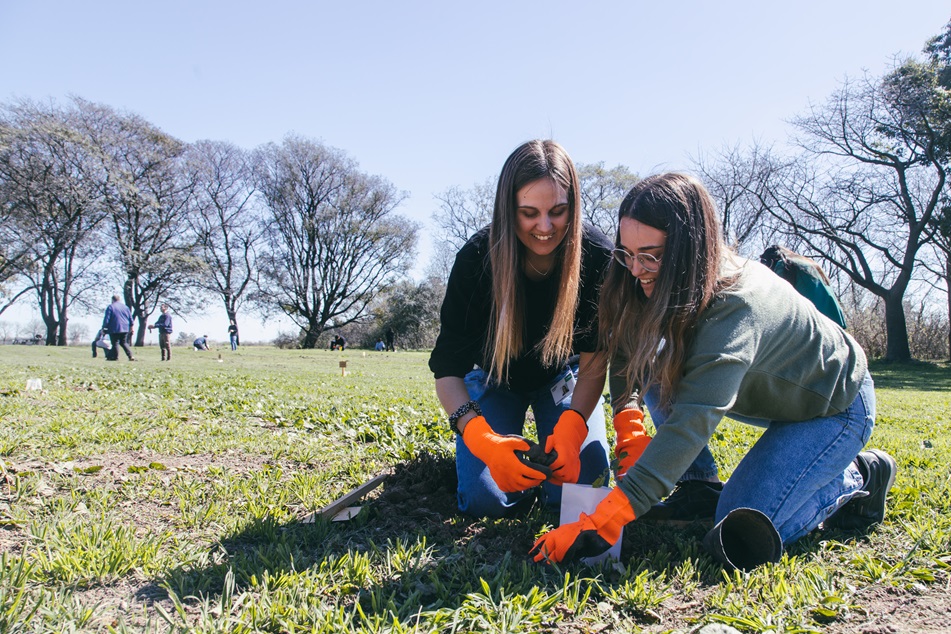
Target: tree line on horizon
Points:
(92, 198)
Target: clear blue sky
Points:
(435, 94)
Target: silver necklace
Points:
(545, 274)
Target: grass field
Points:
(154, 496)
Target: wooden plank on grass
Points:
(346, 500)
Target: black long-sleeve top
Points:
(467, 310)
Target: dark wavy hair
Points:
(652, 333)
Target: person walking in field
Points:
(117, 321)
(164, 326)
(518, 329)
(708, 334)
(233, 335)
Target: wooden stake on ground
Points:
(344, 501)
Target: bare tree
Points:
(47, 180)
(736, 178)
(147, 194)
(14, 250)
(225, 223)
(461, 213)
(863, 193)
(334, 241)
(602, 191)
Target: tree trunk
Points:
(896, 329)
(51, 328)
(310, 335)
(233, 317)
(63, 338)
(140, 335)
(947, 279)
(46, 310)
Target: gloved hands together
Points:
(498, 454)
(591, 535)
(566, 440)
(632, 438)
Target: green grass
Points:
(168, 497)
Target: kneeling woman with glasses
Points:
(709, 334)
(518, 329)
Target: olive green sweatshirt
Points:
(760, 350)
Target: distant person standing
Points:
(390, 337)
(233, 335)
(118, 323)
(164, 325)
(201, 343)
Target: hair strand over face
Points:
(652, 333)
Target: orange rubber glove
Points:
(498, 454)
(632, 438)
(591, 535)
(566, 440)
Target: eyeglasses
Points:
(626, 259)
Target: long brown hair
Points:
(530, 162)
(653, 333)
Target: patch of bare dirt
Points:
(117, 464)
(891, 610)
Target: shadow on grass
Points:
(918, 375)
(410, 550)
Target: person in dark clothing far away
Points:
(101, 341)
(164, 325)
(233, 335)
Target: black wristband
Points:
(572, 409)
(471, 406)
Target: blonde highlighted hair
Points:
(530, 162)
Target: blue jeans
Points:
(234, 342)
(799, 473)
(504, 410)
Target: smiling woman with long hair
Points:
(708, 334)
(518, 330)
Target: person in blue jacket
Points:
(164, 325)
(118, 323)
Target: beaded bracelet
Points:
(471, 406)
